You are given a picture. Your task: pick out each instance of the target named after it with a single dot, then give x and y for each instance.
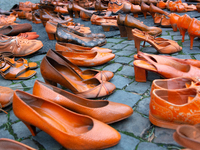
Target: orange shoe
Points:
(161, 5)
(188, 136)
(193, 30)
(171, 108)
(13, 145)
(183, 24)
(71, 130)
(173, 21)
(96, 109)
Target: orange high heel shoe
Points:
(144, 8)
(165, 67)
(193, 30)
(70, 129)
(173, 21)
(183, 24)
(96, 109)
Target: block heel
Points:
(51, 36)
(140, 74)
(129, 33)
(122, 30)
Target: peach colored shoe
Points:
(188, 136)
(13, 145)
(171, 108)
(96, 109)
(71, 130)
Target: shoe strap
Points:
(1, 109)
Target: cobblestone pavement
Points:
(136, 131)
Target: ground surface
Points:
(136, 132)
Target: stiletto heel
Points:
(140, 74)
(137, 43)
(191, 41)
(144, 9)
(145, 14)
(182, 31)
(122, 30)
(77, 14)
(31, 128)
(129, 33)
(51, 36)
(50, 82)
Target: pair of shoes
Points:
(7, 20)
(65, 34)
(61, 46)
(12, 144)
(70, 129)
(59, 72)
(98, 20)
(164, 66)
(180, 7)
(127, 23)
(188, 136)
(51, 28)
(18, 46)
(16, 70)
(12, 30)
(163, 46)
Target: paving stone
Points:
(197, 57)
(131, 63)
(124, 53)
(5, 82)
(187, 50)
(121, 96)
(29, 83)
(131, 42)
(150, 50)
(38, 72)
(124, 60)
(174, 33)
(142, 87)
(119, 46)
(183, 56)
(120, 81)
(179, 38)
(135, 124)
(4, 118)
(21, 130)
(16, 86)
(187, 43)
(167, 37)
(13, 118)
(113, 67)
(30, 143)
(143, 106)
(113, 40)
(5, 134)
(127, 71)
(101, 66)
(108, 45)
(149, 146)
(126, 143)
(164, 136)
(164, 33)
(130, 48)
(36, 58)
(47, 141)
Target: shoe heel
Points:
(50, 82)
(140, 74)
(191, 41)
(122, 30)
(70, 13)
(106, 28)
(137, 43)
(145, 14)
(51, 36)
(174, 27)
(135, 15)
(76, 14)
(129, 33)
(31, 128)
(182, 31)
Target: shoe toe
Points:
(109, 87)
(108, 75)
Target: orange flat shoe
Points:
(54, 72)
(188, 136)
(165, 67)
(13, 145)
(173, 21)
(87, 59)
(61, 46)
(165, 47)
(183, 24)
(193, 30)
(86, 74)
(171, 108)
(71, 130)
(96, 109)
